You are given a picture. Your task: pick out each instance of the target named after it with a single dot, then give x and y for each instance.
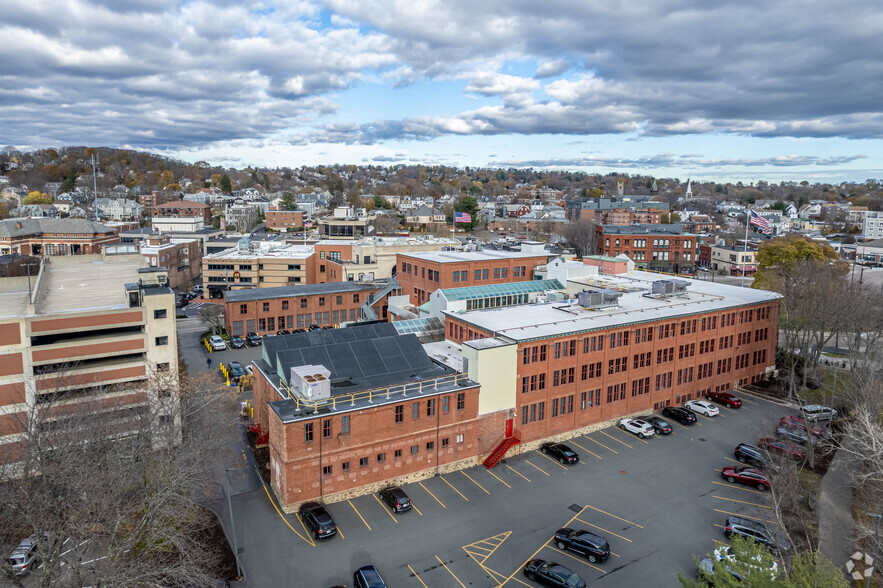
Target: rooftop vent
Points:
(244, 244)
(665, 288)
(600, 298)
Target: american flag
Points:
(308, 225)
(759, 222)
(462, 217)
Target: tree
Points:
(582, 236)
(36, 197)
(213, 316)
(381, 202)
(225, 185)
(469, 205)
(387, 223)
(287, 202)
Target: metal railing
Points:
(375, 394)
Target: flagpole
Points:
(745, 250)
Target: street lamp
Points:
(232, 524)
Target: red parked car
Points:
(796, 421)
(781, 448)
(746, 475)
(725, 398)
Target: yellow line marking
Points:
(605, 530)
(586, 450)
(517, 580)
(454, 489)
(498, 478)
(539, 468)
(743, 399)
(618, 440)
(733, 460)
(615, 554)
(738, 487)
(601, 444)
(286, 520)
(474, 482)
(477, 546)
(417, 509)
(614, 516)
(582, 561)
(674, 422)
(360, 514)
(500, 539)
(416, 576)
(449, 571)
(552, 460)
(520, 474)
(433, 495)
(384, 508)
(718, 470)
(307, 533)
(721, 526)
(735, 514)
(509, 577)
(340, 532)
(742, 502)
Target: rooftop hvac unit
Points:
(311, 382)
(669, 288)
(244, 244)
(600, 298)
(555, 296)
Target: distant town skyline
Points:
(727, 91)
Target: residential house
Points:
(118, 208)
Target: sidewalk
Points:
(836, 526)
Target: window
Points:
(400, 413)
(363, 462)
(477, 275)
(321, 301)
(430, 407)
(326, 428)
(345, 425)
(266, 307)
(461, 400)
(345, 466)
(459, 438)
(430, 445)
(161, 340)
(484, 274)
(303, 302)
(398, 454)
(355, 297)
(414, 449)
(326, 470)
(445, 442)
(415, 411)
(243, 309)
(524, 415)
(381, 458)
(160, 313)
(496, 273)
(308, 432)
(446, 404)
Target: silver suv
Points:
(25, 557)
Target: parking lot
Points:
(657, 501)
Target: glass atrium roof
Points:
(474, 292)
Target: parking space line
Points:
(498, 478)
(718, 470)
(552, 460)
(449, 571)
(474, 482)
(417, 509)
(416, 576)
(509, 577)
(614, 516)
(582, 561)
(517, 580)
(454, 489)
(735, 514)
(734, 486)
(307, 533)
(519, 473)
(748, 401)
(286, 520)
(673, 422)
(586, 450)
(601, 444)
(384, 508)
(539, 468)
(743, 502)
(605, 530)
(433, 495)
(617, 440)
(360, 514)
(721, 526)
(733, 460)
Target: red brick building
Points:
(267, 310)
(662, 248)
(45, 236)
(155, 198)
(182, 258)
(281, 220)
(421, 274)
(183, 208)
(357, 408)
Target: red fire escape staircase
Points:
(498, 453)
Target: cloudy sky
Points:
(743, 89)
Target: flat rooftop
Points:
(300, 252)
(464, 256)
(79, 283)
(555, 319)
(14, 296)
(295, 291)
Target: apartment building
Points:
(262, 265)
(182, 258)
(662, 248)
(96, 332)
(371, 258)
(284, 220)
(734, 260)
(183, 208)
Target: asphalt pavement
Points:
(659, 502)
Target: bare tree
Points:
(582, 237)
(387, 223)
(213, 316)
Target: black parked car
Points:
(368, 577)
(315, 327)
(396, 498)
(681, 415)
(752, 530)
(561, 452)
(590, 545)
(659, 425)
(318, 520)
(283, 332)
(746, 453)
(549, 573)
(252, 339)
(236, 371)
(237, 342)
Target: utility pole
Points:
(94, 186)
(232, 524)
(876, 542)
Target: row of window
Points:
(346, 466)
(431, 407)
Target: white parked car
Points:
(725, 552)
(702, 407)
(217, 342)
(637, 426)
(817, 412)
